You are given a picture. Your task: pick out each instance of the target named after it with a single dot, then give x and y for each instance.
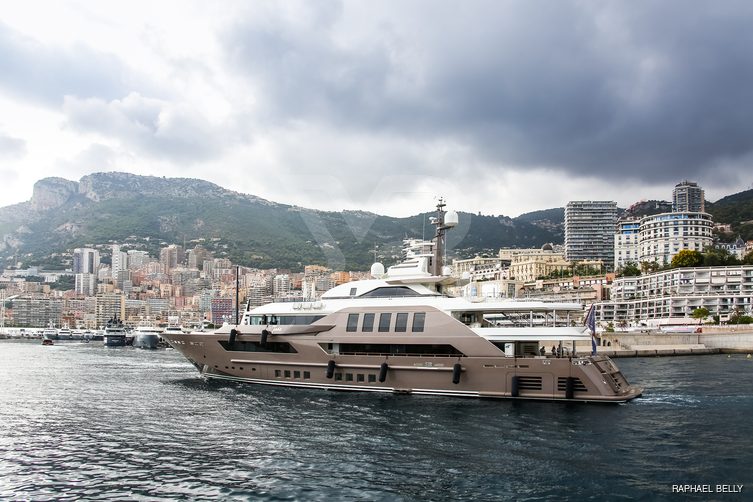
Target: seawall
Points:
(712, 340)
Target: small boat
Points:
(115, 334)
(47, 341)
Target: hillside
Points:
(146, 212)
(737, 210)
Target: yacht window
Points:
(401, 322)
(296, 374)
(389, 291)
(352, 322)
(418, 322)
(384, 349)
(353, 291)
(368, 322)
(360, 377)
(245, 346)
(384, 322)
(261, 320)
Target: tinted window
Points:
(418, 321)
(401, 322)
(368, 322)
(352, 322)
(352, 291)
(384, 322)
(390, 291)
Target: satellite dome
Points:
(451, 219)
(377, 270)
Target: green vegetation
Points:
(687, 258)
(248, 231)
(700, 314)
(631, 269)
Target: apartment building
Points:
(669, 297)
(589, 230)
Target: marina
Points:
(92, 436)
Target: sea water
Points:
(80, 421)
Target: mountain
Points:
(148, 212)
(737, 210)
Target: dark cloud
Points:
(645, 90)
(11, 147)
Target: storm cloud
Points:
(660, 89)
(506, 106)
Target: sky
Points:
(500, 107)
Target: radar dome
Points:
(451, 219)
(377, 270)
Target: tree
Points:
(700, 313)
(748, 258)
(630, 269)
(687, 258)
(718, 257)
(649, 266)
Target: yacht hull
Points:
(590, 379)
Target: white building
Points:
(626, 246)
(119, 261)
(670, 297)
(664, 235)
(85, 261)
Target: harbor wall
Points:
(712, 340)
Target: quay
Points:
(711, 340)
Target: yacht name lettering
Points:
(707, 488)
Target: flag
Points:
(591, 324)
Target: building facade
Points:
(662, 236)
(671, 296)
(589, 231)
(688, 197)
(626, 246)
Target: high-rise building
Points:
(119, 261)
(170, 257)
(86, 284)
(137, 258)
(281, 286)
(688, 197)
(589, 231)
(85, 261)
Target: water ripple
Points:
(86, 422)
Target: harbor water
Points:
(80, 421)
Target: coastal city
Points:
(623, 265)
(389, 251)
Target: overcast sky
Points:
(502, 107)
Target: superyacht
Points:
(399, 333)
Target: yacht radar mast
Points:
(443, 221)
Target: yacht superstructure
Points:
(399, 333)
